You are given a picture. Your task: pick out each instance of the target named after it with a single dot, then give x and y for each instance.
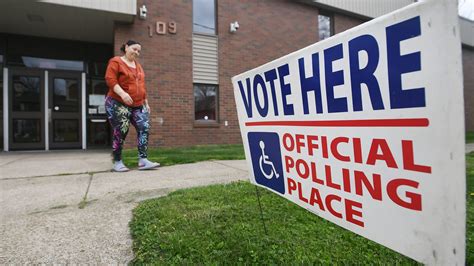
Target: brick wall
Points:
(167, 61)
(468, 69)
(343, 22)
(268, 30)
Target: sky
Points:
(466, 9)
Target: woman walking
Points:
(126, 103)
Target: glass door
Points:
(65, 126)
(26, 106)
(98, 133)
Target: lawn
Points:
(170, 156)
(470, 137)
(470, 209)
(221, 224)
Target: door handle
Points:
(49, 115)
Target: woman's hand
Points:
(148, 108)
(126, 98)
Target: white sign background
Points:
(436, 233)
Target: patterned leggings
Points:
(120, 117)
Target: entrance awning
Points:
(91, 21)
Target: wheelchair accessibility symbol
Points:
(266, 160)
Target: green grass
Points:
(170, 156)
(221, 224)
(470, 137)
(470, 209)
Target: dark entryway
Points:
(45, 109)
(55, 93)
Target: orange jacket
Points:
(133, 83)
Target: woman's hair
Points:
(128, 43)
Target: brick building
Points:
(54, 54)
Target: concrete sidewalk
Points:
(469, 147)
(67, 207)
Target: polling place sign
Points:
(366, 129)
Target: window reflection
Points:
(204, 16)
(98, 128)
(98, 134)
(205, 102)
(97, 69)
(97, 91)
(66, 95)
(26, 130)
(325, 28)
(66, 130)
(37, 62)
(26, 94)
(1, 107)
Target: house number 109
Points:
(162, 28)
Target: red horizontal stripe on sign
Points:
(406, 122)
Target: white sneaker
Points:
(145, 164)
(120, 167)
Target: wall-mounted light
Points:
(234, 26)
(143, 12)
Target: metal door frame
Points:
(12, 114)
(76, 115)
(7, 106)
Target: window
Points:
(1, 103)
(98, 134)
(66, 94)
(36, 62)
(26, 92)
(326, 26)
(96, 94)
(204, 16)
(205, 102)
(98, 129)
(97, 69)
